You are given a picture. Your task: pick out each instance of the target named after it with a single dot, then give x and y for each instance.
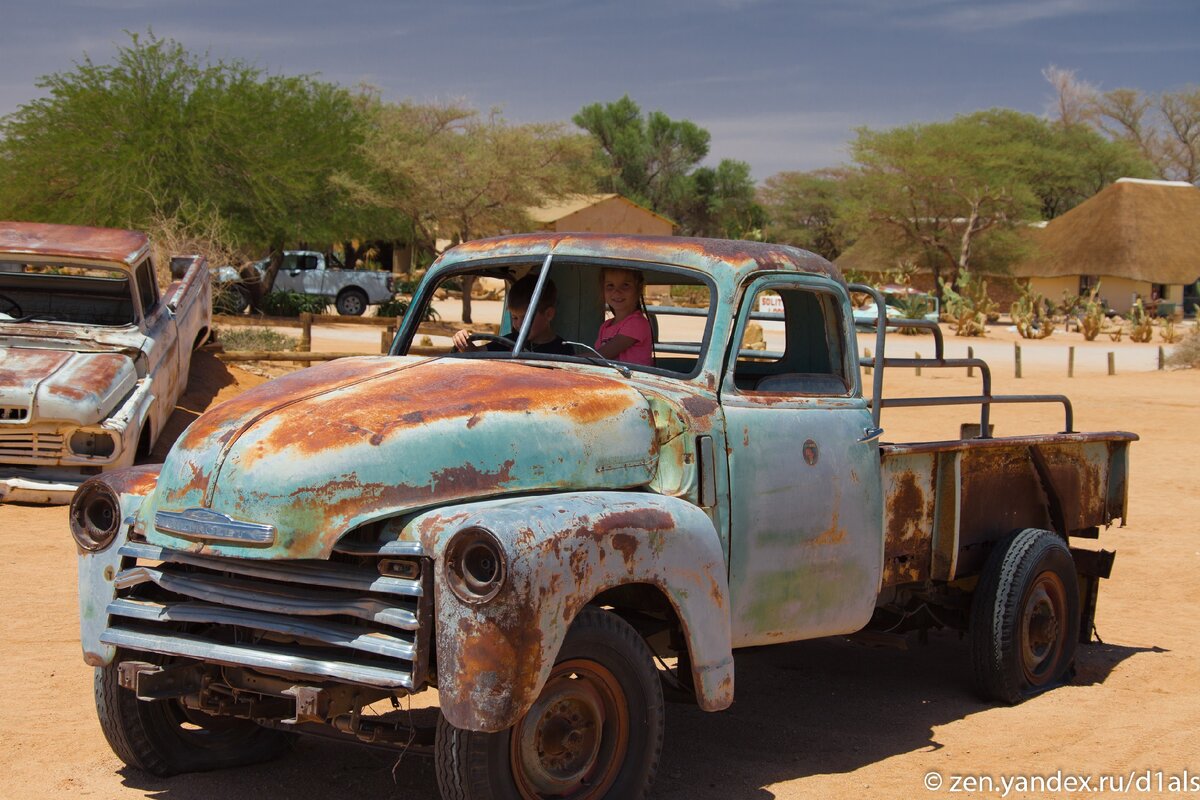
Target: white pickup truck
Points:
(93, 356)
(312, 272)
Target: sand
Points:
(829, 718)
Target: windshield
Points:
(65, 292)
(641, 317)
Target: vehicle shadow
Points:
(206, 378)
(819, 707)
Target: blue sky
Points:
(779, 84)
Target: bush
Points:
(234, 339)
(1187, 353)
(228, 298)
(292, 304)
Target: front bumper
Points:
(44, 491)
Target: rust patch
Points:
(906, 548)
(831, 535)
(26, 366)
(387, 403)
(646, 519)
(700, 406)
(745, 437)
(627, 544)
(92, 379)
(71, 241)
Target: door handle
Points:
(871, 434)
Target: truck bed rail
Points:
(985, 399)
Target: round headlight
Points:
(475, 565)
(95, 515)
(93, 444)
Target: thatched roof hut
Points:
(1136, 229)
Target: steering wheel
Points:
(13, 306)
(491, 337)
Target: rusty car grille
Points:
(336, 621)
(31, 444)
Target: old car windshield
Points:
(666, 314)
(65, 292)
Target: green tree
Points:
(933, 190)
(655, 160)
(160, 133)
(455, 174)
(809, 210)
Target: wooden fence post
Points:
(306, 331)
(1112, 363)
(970, 354)
(1017, 359)
(1071, 361)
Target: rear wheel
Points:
(351, 303)
(1025, 617)
(164, 738)
(595, 731)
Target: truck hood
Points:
(322, 451)
(49, 384)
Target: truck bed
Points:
(946, 502)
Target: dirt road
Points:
(829, 718)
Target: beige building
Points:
(600, 213)
(1136, 238)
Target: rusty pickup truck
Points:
(93, 355)
(557, 542)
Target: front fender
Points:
(562, 551)
(97, 570)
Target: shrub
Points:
(398, 307)
(292, 304)
(233, 339)
(1169, 333)
(1187, 352)
(228, 298)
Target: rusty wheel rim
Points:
(573, 741)
(1042, 626)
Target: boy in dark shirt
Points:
(542, 338)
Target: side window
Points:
(147, 287)
(306, 262)
(792, 344)
(289, 262)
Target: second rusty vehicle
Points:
(93, 354)
(550, 540)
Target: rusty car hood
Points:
(322, 451)
(38, 383)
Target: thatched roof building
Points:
(1144, 230)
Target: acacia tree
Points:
(808, 209)
(655, 160)
(455, 174)
(162, 134)
(935, 189)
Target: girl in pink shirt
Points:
(626, 336)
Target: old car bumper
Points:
(20, 489)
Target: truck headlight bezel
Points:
(95, 516)
(93, 443)
(475, 564)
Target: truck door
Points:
(806, 517)
(163, 353)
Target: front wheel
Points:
(595, 731)
(351, 303)
(1025, 617)
(164, 738)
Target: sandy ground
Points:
(829, 718)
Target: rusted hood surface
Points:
(321, 451)
(42, 384)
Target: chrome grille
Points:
(31, 444)
(337, 621)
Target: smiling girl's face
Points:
(622, 290)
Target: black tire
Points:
(164, 738)
(604, 674)
(351, 303)
(1025, 617)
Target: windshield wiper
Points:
(601, 360)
